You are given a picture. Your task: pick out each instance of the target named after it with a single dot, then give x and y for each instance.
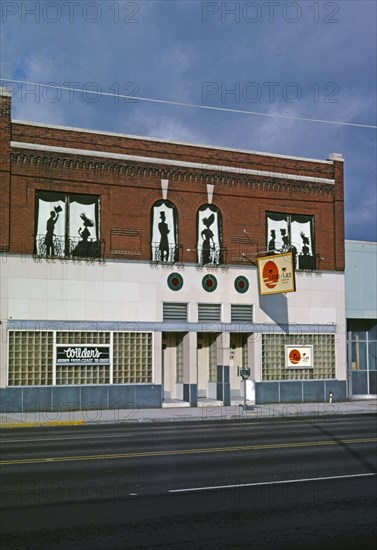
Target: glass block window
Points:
(212, 344)
(83, 337)
(245, 350)
(273, 356)
(179, 358)
(132, 357)
(30, 358)
(82, 374)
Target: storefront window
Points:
(362, 328)
(359, 355)
(45, 358)
(372, 355)
(372, 331)
(294, 232)
(274, 361)
(67, 225)
(363, 337)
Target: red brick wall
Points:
(129, 189)
(157, 149)
(5, 133)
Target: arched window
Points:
(209, 235)
(164, 232)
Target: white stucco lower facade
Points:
(116, 299)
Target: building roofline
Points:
(360, 242)
(187, 144)
(4, 92)
(169, 162)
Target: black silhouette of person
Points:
(85, 233)
(85, 248)
(285, 239)
(208, 242)
(164, 241)
(49, 238)
(305, 242)
(272, 242)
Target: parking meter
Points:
(245, 372)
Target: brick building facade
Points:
(141, 255)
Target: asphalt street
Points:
(272, 484)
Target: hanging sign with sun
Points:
(276, 274)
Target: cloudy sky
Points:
(303, 59)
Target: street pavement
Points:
(271, 484)
(208, 410)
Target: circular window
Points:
(209, 283)
(175, 281)
(241, 284)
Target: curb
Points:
(8, 425)
(187, 419)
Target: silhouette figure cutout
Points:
(285, 239)
(85, 248)
(164, 241)
(305, 244)
(208, 241)
(50, 227)
(85, 233)
(272, 242)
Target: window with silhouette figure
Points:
(292, 232)
(67, 225)
(164, 232)
(209, 235)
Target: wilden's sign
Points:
(82, 355)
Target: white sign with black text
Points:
(82, 355)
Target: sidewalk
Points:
(207, 411)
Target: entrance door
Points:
(207, 364)
(362, 357)
(172, 365)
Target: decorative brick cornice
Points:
(157, 171)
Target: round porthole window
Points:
(175, 281)
(241, 284)
(209, 283)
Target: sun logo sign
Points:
(270, 275)
(294, 356)
(276, 274)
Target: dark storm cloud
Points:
(303, 59)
